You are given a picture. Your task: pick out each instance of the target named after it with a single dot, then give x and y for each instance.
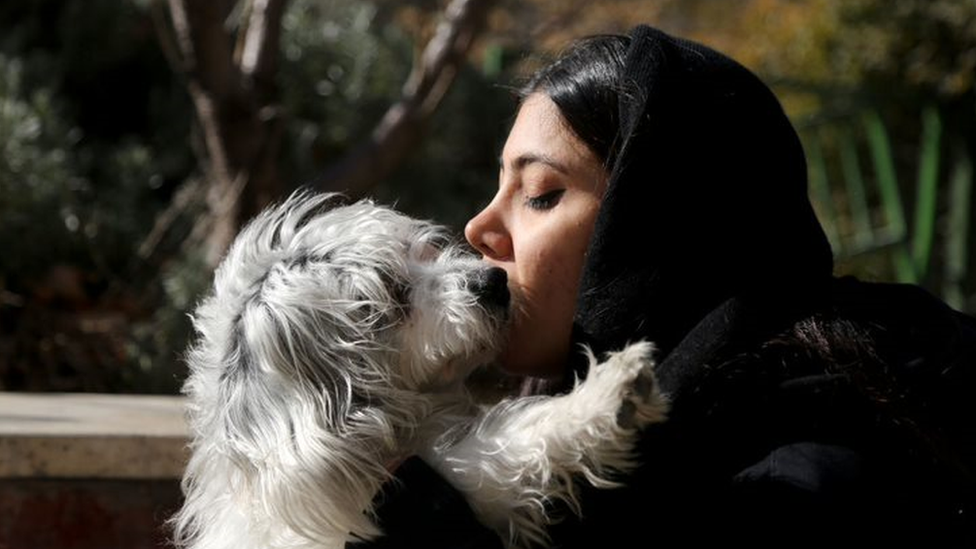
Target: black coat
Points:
(806, 410)
(853, 427)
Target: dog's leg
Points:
(526, 452)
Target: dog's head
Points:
(316, 288)
(327, 323)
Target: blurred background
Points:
(137, 136)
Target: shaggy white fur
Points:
(337, 339)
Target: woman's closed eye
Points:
(545, 201)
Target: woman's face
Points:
(537, 228)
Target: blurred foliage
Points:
(97, 137)
(94, 133)
(338, 75)
(36, 178)
(826, 54)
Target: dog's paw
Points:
(640, 399)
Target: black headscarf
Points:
(706, 205)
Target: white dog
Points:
(337, 340)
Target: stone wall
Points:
(84, 471)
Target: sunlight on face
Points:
(537, 228)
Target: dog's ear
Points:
(322, 204)
(301, 443)
(307, 205)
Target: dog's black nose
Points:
(491, 286)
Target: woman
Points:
(652, 188)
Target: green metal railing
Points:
(862, 206)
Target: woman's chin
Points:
(520, 361)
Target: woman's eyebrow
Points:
(526, 159)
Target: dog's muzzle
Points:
(491, 287)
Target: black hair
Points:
(583, 83)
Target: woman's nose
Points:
(487, 232)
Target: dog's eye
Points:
(400, 292)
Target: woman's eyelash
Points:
(545, 201)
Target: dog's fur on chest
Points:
(335, 341)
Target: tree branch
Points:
(206, 48)
(395, 134)
(214, 81)
(262, 37)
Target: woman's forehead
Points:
(540, 135)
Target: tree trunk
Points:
(233, 93)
